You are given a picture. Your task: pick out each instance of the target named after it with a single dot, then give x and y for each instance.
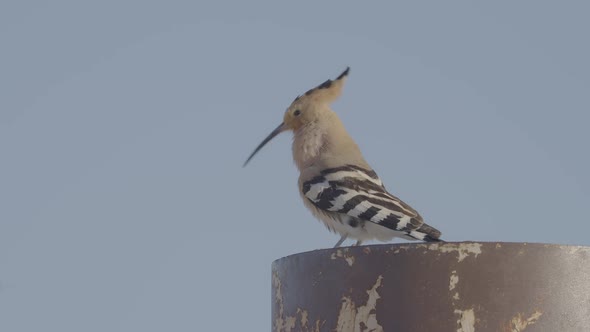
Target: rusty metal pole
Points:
(458, 287)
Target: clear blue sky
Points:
(124, 125)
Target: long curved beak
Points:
(274, 133)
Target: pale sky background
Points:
(124, 126)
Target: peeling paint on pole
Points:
(463, 287)
(363, 318)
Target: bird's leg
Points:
(340, 241)
(358, 243)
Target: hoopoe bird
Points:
(335, 181)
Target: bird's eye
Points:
(297, 112)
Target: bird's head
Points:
(307, 108)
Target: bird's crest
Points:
(326, 92)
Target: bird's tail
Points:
(426, 233)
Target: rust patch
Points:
(344, 254)
(303, 317)
(466, 322)
(575, 250)
(299, 322)
(453, 280)
(519, 323)
(363, 318)
(464, 250)
(281, 323)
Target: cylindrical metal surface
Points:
(458, 287)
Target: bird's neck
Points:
(308, 143)
(324, 143)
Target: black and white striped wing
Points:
(359, 193)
